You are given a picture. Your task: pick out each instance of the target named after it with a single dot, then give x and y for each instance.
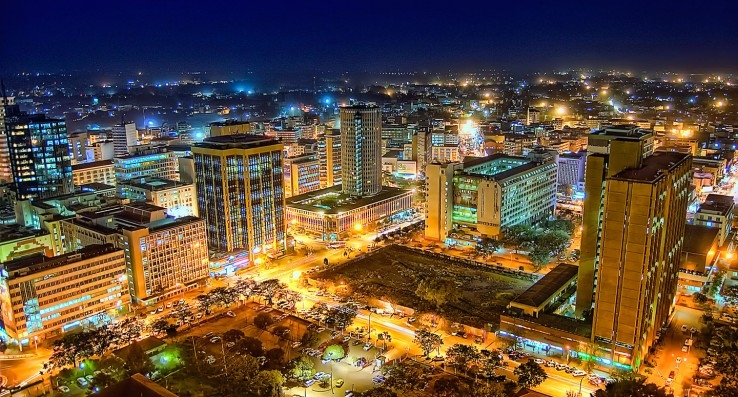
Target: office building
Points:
(100, 150)
(488, 194)
(301, 175)
(44, 297)
(239, 180)
(95, 172)
(164, 256)
(716, 211)
(330, 214)
(641, 241)
(533, 116)
(155, 162)
(124, 136)
(361, 150)
(6, 176)
(329, 155)
(78, 147)
(18, 241)
(177, 197)
(609, 151)
(39, 155)
(571, 170)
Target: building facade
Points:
(329, 155)
(157, 162)
(46, 296)
(94, 172)
(361, 150)
(716, 211)
(124, 136)
(240, 193)
(39, 155)
(301, 175)
(571, 169)
(641, 249)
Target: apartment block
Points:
(94, 172)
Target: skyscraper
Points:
(609, 151)
(641, 242)
(329, 155)
(5, 174)
(361, 150)
(39, 155)
(124, 135)
(239, 180)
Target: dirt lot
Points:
(394, 273)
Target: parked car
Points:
(64, 389)
(230, 314)
(540, 361)
(310, 382)
(82, 382)
(368, 345)
(578, 372)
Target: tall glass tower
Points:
(361, 150)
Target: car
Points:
(693, 330)
(320, 329)
(346, 339)
(260, 308)
(215, 339)
(82, 382)
(684, 327)
(89, 378)
(310, 382)
(169, 305)
(561, 367)
(198, 316)
(460, 334)
(64, 389)
(296, 344)
(262, 360)
(378, 379)
(230, 314)
(685, 349)
(438, 358)
(411, 320)
(208, 335)
(339, 382)
(356, 342)
(320, 375)
(368, 345)
(153, 312)
(210, 360)
(540, 361)
(551, 364)
(349, 393)
(678, 360)
(230, 344)
(107, 371)
(578, 372)
(268, 309)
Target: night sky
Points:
(370, 35)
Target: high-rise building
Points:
(640, 249)
(44, 296)
(329, 155)
(230, 127)
(301, 175)
(124, 136)
(361, 150)
(609, 151)
(6, 175)
(487, 194)
(39, 155)
(239, 180)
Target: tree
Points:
(275, 358)
(450, 386)
(137, 361)
(341, 316)
(334, 352)
(554, 241)
(427, 341)
(717, 282)
(539, 257)
(700, 297)
(493, 389)
(3, 346)
(530, 374)
(519, 236)
(269, 288)
(223, 296)
(282, 331)
(729, 293)
(728, 387)
(438, 291)
(249, 345)
(632, 388)
(462, 355)
(487, 246)
(268, 384)
(242, 369)
(491, 360)
(159, 326)
(102, 381)
(262, 320)
(404, 378)
(233, 335)
(377, 392)
(205, 302)
(309, 339)
(301, 368)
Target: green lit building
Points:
(485, 194)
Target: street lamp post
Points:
(580, 386)
(369, 333)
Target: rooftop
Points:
(228, 122)
(717, 203)
(499, 166)
(542, 290)
(15, 232)
(653, 167)
(236, 141)
(623, 131)
(93, 164)
(155, 184)
(39, 262)
(136, 385)
(699, 239)
(148, 345)
(332, 201)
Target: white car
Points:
(540, 361)
(63, 389)
(368, 346)
(578, 372)
(82, 382)
(230, 314)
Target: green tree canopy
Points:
(530, 374)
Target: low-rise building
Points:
(301, 175)
(95, 172)
(46, 296)
(699, 254)
(716, 211)
(179, 198)
(154, 162)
